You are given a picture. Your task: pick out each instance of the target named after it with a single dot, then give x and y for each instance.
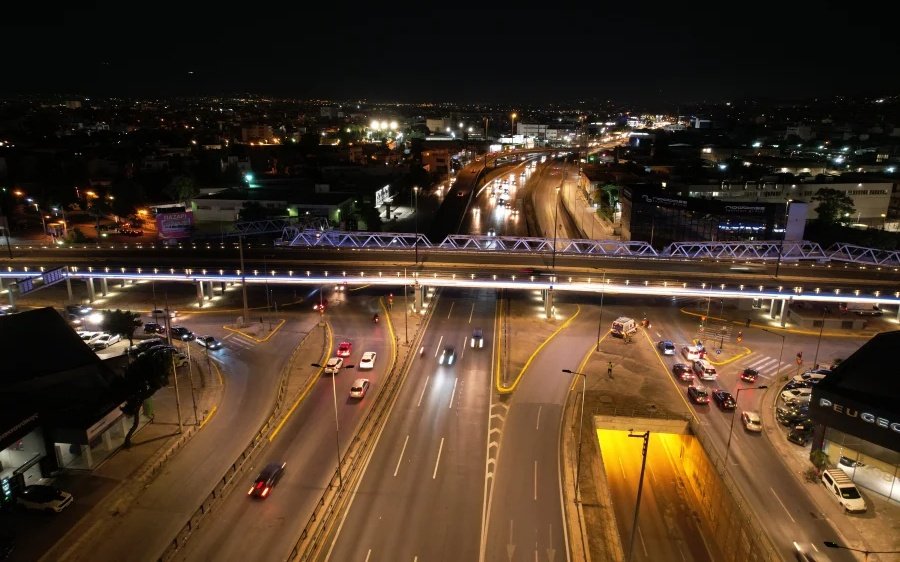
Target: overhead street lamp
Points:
(337, 429)
(737, 397)
(513, 123)
(580, 426)
(865, 553)
(637, 506)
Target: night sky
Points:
(685, 52)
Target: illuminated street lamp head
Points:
(248, 177)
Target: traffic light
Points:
(703, 318)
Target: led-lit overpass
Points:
(769, 270)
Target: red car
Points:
(344, 348)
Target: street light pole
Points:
(865, 553)
(580, 427)
(819, 342)
(337, 429)
(416, 213)
(243, 279)
(737, 397)
(556, 215)
(600, 320)
(646, 437)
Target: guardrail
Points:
(224, 485)
(327, 508)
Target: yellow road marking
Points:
(669, 375)
(209, 417)
(509, 389)
(265, 339)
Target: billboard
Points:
(172, 226)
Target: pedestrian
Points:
(609, 369)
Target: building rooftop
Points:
(866, 376)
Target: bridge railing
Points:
(762, 250)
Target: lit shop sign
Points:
(867, 417)
(757, 209)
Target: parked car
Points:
(209, 342)
(666, 347)
(89, 337)
(144, 345)
(266, 480)
(154, 328)
(359, 388)
(698, 394)
(724, 399)
(843, 490)
(790, 415)
(801, 433)
(44, 498)
(796, 395)
(180, 359)
(105, 341)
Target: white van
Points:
(844, 490)
(623, 326)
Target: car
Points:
(182, 333)
(180, 359)
(78, 309)
(801, 433)
(343, 349)
(154, 328)
(811, 377)
(267, 479)
(162, 312)
(792, 414)
(666, 347)
(359, 388)
(89, 337)
(698, 394)
(334, 366)
(692, 352)
(751, 421)
(448, 356)
(704, 370)
(105, 341)
(367, 361)
(144, 345)
(792, 384)
(796, 395)
(42, 497)
(477, 338)
(749, 375)
(843, 490)
(209, 342)
(804, 554)
(682, 371)
(724, 399)
(491, 232)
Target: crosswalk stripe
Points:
(241, 341)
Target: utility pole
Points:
(406, 309)
(174, 372)
(243, 279)
(191, 379)
(646, 437)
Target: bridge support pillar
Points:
(212, 290)
(92, 296)
(199, 285)
(104, 286)
(11, 291)
(1, 283)
(69, 289)
(224, 284)
(772, 309)
(784, 310)
(548, 303)
(418, 298)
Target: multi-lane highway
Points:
(421, 494)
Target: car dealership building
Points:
(857, 412)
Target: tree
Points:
(142, 378)
(182, 189)
(833, 205)
(120, 322)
